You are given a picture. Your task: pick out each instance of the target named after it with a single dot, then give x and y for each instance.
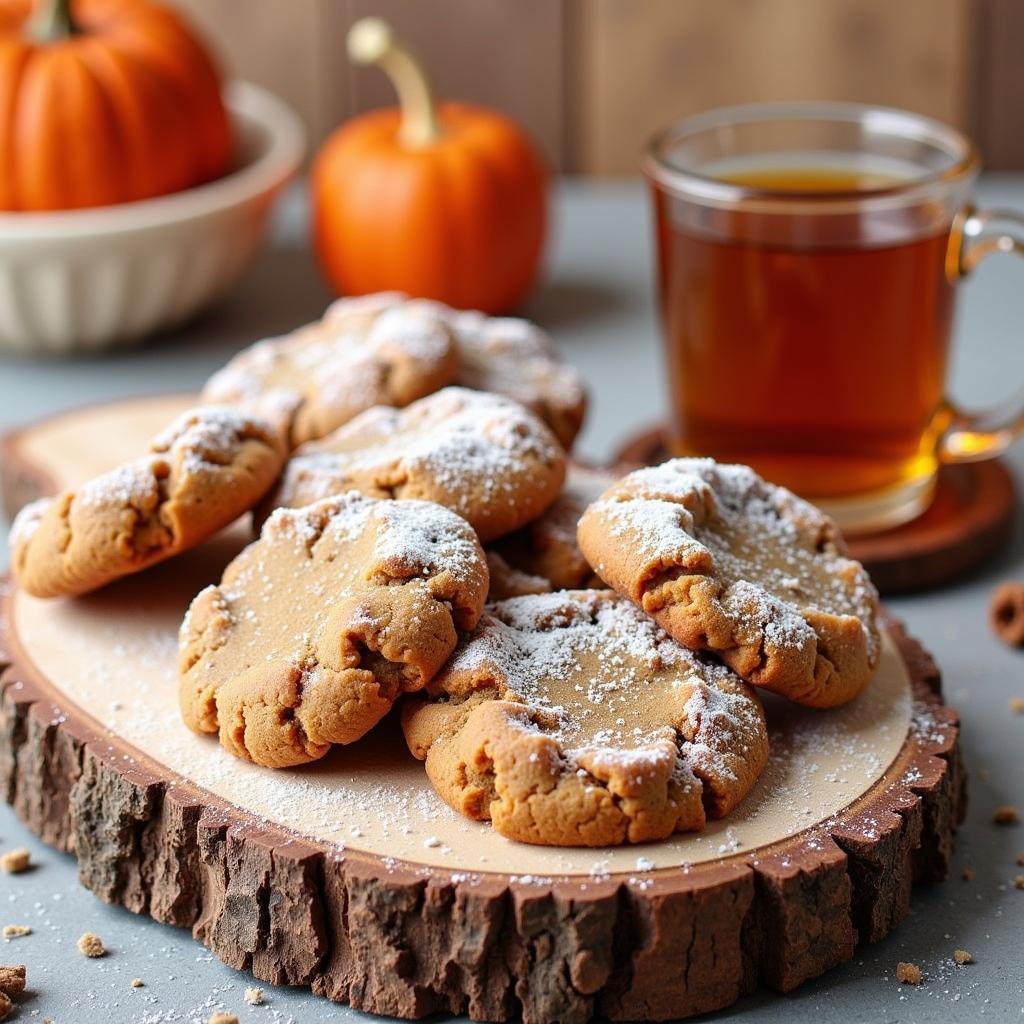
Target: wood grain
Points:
(639, 65)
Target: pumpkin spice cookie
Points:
(727, 562)
(373, 350)
(516, 358)
(547, 547)
(573, 719)
(317, 627)
(208, 467)
(481, 455)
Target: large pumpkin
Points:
(443, 201)
(104, 101)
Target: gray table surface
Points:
(597, 302)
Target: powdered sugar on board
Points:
(117, 660)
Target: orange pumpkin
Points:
(444, 201)
(104, 102)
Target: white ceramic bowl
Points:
(84, 280)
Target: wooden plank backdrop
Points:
(592, 79)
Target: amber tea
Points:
(821, 364)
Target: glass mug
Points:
(808, 255)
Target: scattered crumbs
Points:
(137, 983)
(1018, 882)
(967, 874)
(431, 842)
(1006, 815)
(16, 931)
(91, 945)
(644, 864)
(222, 1018)
(1017, 705)
(908, 974)
(12, 979)
(254, 996)
(962, 957)
(16, 861)
(1020, 858)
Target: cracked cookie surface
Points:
(573, 719)
(727, 562)
(547, 546)
(373, 350)
(208, 467)
(318, 626)
(514, 357)
(481, 455)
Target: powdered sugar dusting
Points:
(606, 678)
(776, 556)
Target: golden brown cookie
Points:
(373, 350)
(729, 563)
(482, 455)
(206, 469)
(572, 719)
(508, 582)
(317, 627)
(516, 358)
(547, 546)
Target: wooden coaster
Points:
(969, 520)
(351, 877)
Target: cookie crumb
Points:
(962, 957)
(15, 931)
(908, 974)
(137, 983)
(1018, 882)
(222, 1018)
(967, 874)
(12, 979)
(14, 862)
(254, 996)
(5, 1006)
(1006, 815)
(1020, 858)
(91, 945)
(1017, 705)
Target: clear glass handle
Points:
(972, 437)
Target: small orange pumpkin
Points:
(105, 102)
(444, 201)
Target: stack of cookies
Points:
(575, 656)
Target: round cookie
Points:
(208, 467)
(572, 719)
(547, 546)
(482, 455)
(317, 627)
(727, 562)
(516, 358)
(373, 350)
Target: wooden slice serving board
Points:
(351, 877)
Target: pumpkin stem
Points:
(371, 41)
(52, 22)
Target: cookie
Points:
(482, 455)
(727, 562)
(547, 546)
(516, 358)
(374, 350)
(206, 469)
(508, 582)
(573, 719)
(318, 626)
